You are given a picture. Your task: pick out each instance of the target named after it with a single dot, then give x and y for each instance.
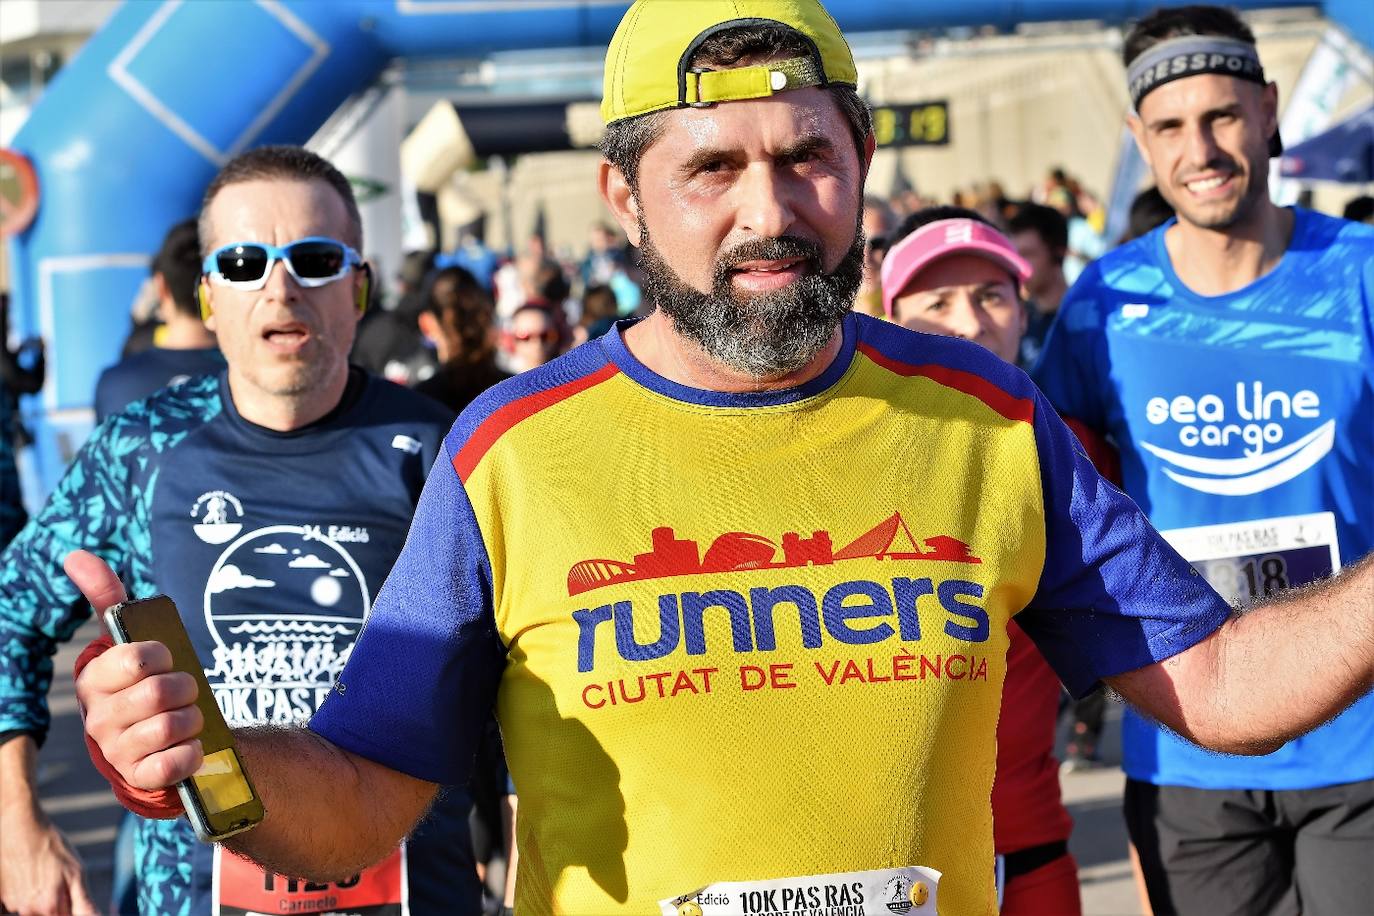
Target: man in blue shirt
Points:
(268, 502)
(1229, 355)
(182, 347)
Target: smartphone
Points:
(219, 799)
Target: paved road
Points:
(1099, 834)
(79, 801)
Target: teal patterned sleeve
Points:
(100, 505)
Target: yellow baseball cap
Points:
(647, 62)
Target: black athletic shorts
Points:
(1251, 852)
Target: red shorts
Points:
(1050, 890)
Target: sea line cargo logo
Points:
(1270, 427)
(859, 612)
(284, 605)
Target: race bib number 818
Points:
(1247, 561)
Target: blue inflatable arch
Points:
(130, 132)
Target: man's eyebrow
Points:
(1228, 109)
(810, 143)
(705, 156)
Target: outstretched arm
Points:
(329, 812)
(1269, 674)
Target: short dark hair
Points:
(598, 304)
(927, 215)
(1359, 210)
(1149, 210)
(284, 163)
(1176, 21)
(178, 263)
(455, 293)
(626, 140)
(1046, 222)
(550, 284)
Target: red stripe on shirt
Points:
(506, 416)
(1012, 408)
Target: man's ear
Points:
(166, 305)
(1138, 132)
(207, 311)
(621, 200)
(1270, 103)
(870, 144)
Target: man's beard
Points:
(764, 336)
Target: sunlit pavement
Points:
(1099, 835)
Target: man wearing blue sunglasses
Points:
(269, 502)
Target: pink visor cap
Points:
(941, 239)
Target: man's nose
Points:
(967, 318)
(280, 284)
(1201, 149)
(764, 207)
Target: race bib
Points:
(908, 891)
(1246, 561)
(241, 888)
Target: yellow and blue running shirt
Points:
(735, 637)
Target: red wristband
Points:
(158, 804)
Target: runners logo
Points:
(1259, 422)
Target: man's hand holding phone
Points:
(150, 714)
(141, 713)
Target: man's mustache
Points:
(778, 249)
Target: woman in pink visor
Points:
(950, 272)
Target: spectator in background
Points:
(538, 332)
(599, 311)
(548, 286)
(457, 319)
(878, 223)
(605, 256)
(950, 272)
(389, 342)
(474, 257)
(1085, 217)
(1041, 236)
(183, 347)
(513, 283)
(15, 379)
(1360, 210)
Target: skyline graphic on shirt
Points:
(736, 551)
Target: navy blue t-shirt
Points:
(137, 376)
(272, 545)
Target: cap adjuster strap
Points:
(707, 87)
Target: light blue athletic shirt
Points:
(1255, 406)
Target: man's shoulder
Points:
(161, 421)
(1332, 239)
(519, 397)
(1129, 274)
(395, 402)
(949, 361)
